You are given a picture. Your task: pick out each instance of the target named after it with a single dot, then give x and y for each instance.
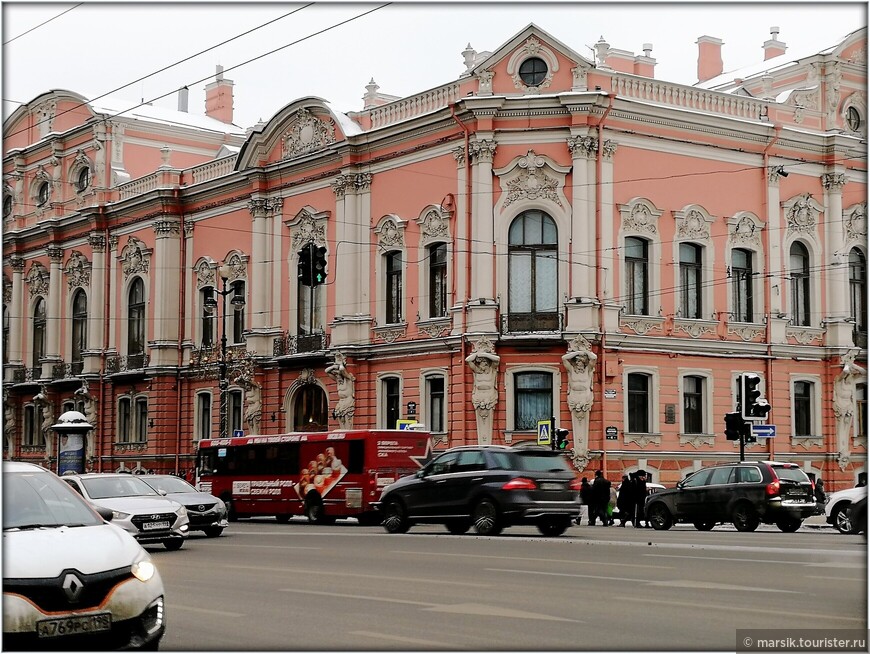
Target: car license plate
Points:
(551, 485)
(80, 624)
(150, 526)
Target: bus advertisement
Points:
(321, 475)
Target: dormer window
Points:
(533, 71)
(853, 119)
(84, 179)
(43, 194)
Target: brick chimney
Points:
(709, 57)
(219, 98)
(645, 65)
(773, 47)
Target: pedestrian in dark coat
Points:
(640, 494)
(625, 501)
(600, 499)
(586, 500)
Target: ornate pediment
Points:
(37, 279)
(307, 133)
(855, 223)
(391, 232)
(693, 223)
(534, 178)
(135, 257)
(640, 216)
(78, 270)
(802, 214)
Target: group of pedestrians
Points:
(600, 498)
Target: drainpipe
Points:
(599, 284)
(106, 323)
(765, 241)
(181, 327)
(468, 198)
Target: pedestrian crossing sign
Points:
(543, 432)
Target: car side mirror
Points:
(162, 492)
(420, 474)
(680, 484)
(105, 514)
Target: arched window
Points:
(690, 280)
(136, 318)
(79, 330)
(533, 273)
(741, 285)
(310, 412)
(38, 333)
(858, 289)
(799, 268)
(637, 276)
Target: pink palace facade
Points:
(543, 235)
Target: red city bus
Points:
(322, 475)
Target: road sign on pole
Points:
(543, 432)
(764, 431)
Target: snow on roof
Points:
(772, 64)
(348, 126)
(136, 110)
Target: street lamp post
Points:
(238, 302)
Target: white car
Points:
(71, 580)
(837, 507)
(147, 515)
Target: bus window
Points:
(355, 457)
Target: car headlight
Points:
(119, 515)
(143, 570)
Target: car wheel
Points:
(213, 532)
(283, 518)
(659, 517)
(395, 518)
(789, 525)
(553, 527)
(173, 544)
(841, 518)
(703, 525)
(744, 517)
(457, 527)
(486, 519)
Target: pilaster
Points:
(167, 281)
(777, 281)
(836, 264)
(482, 307)
(96, 304)
(583, 305)
(53, 310)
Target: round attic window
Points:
(43, 194)
(84, 178)
(533, 71)
(853, 119)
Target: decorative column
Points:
(264, 323)
(605, 188)
(53, 318)
(777, 280)
(114, 304)
(461, 249)
(167, 281)
(582, 299)
(580, 363)
(482, 308)
(96, 304)
(836, 264)
(16, 317)
(191, 298)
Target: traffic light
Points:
(752, 405)
(561, 436)
(319, 274)
(304, 269)
(734, 426)
(747, 433)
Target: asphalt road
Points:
(265, 586)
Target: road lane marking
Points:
(860, 580)
(196, 609)
(526, 558)
(339, 573)
(374, 598)
(490, 611)
(811, 564)
(731, 607)
(710, 585)
(401, 639)
(565, 574)
(267, 547)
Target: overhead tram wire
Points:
(226, 70)
(42, 23)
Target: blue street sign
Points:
(238, 433)
(543, 432)
(764, 431)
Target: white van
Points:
(72, 580)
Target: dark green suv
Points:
(745, 493)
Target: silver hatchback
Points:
(146, 514)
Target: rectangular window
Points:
(438, 281)
(234, 411)
(693, 405)
(435, 394)
(861, 410)
(533, 399)
(124, 420)
(30, 425)
(203, 415)
(690, 280)
(394, 288)
(638, 403)
(803, 408)
(208, 316)
(391, 399)
(237, 311)
(141, 419)
(741, 285)
(636, 276)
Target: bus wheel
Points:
(314, 508)
(282, 518)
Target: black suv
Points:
(745, 493)
(490, 487)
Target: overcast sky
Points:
(93, 48)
